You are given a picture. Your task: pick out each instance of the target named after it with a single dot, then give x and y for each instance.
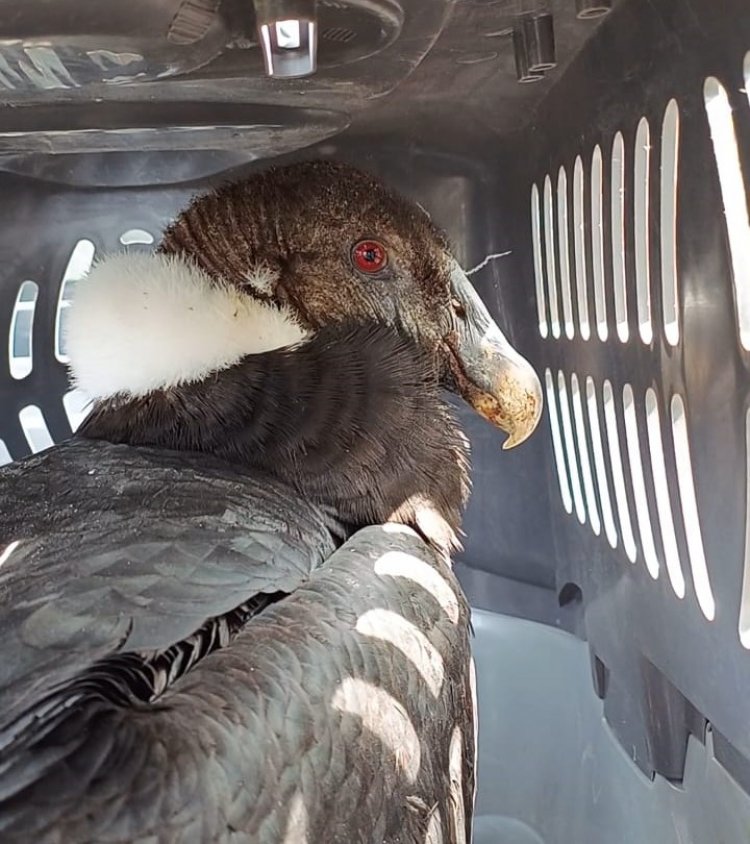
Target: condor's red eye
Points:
(369, 256)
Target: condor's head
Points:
(302, 321)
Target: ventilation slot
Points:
(618, 475)
(536, 237)
(338, 34)
(745, 602)
(597, 243)
(35, 428)
(724, 139)
(557, 447)
(564, 251)
(601, 473)
(690, 509)
(642, 165)
(549, 246)
(136, 236)
(661, 489)
(77, 405)
(20, 341)
(618, 237)
(4, 454)
(639, 484)
(579, 245)
(670, 143)
(583, 452)
(570, 449)
(81, 259)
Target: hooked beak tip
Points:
(514, 405)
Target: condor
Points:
(226, 604)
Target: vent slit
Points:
(549, 245)
(618, 473)
(618, 238)
(563, 245)
(570, 448)
(35, 428)
(726, 152)
(661, 489)
(79, 264)
(579, 244)
(536, 238)
(744, 630)
(557, 447)
(670, 140)
(639, 484)
(583, 451)
(690, 518)
(641, 222)
(601, 472)
(597, 243)
(21, 336)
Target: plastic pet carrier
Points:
(590, 160)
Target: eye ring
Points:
(369, 256)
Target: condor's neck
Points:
(355, 422)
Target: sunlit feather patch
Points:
(400, 564)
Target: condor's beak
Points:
(486, 370)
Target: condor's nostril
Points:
(458, 309)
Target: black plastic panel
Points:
(671, 664)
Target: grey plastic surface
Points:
(438, 114)
(552, 772)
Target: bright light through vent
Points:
(583, 452)
(579, 243)
(719, 111)
(549, 249)
(670, 146)
(564, 251)
(661, 488)
(134, 237)
(618, 474)
(570, 449)
(20, 340)
(641, 201)
(4, 454)
(536, 238)
(745, 601)
(81, 259)
(35, 428)
(557, 447)
(690, 516)
(77, 406)
(597, 243)
(618, 237)
(639, 484)
(601, 473)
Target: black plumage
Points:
(353, 420)
(226, 605)
(97, 745)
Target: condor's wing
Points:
(108, 548)
(341, 712)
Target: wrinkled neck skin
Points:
(353, 419)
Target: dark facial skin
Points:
(306, 237)
(353, 418)
(302, 223)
